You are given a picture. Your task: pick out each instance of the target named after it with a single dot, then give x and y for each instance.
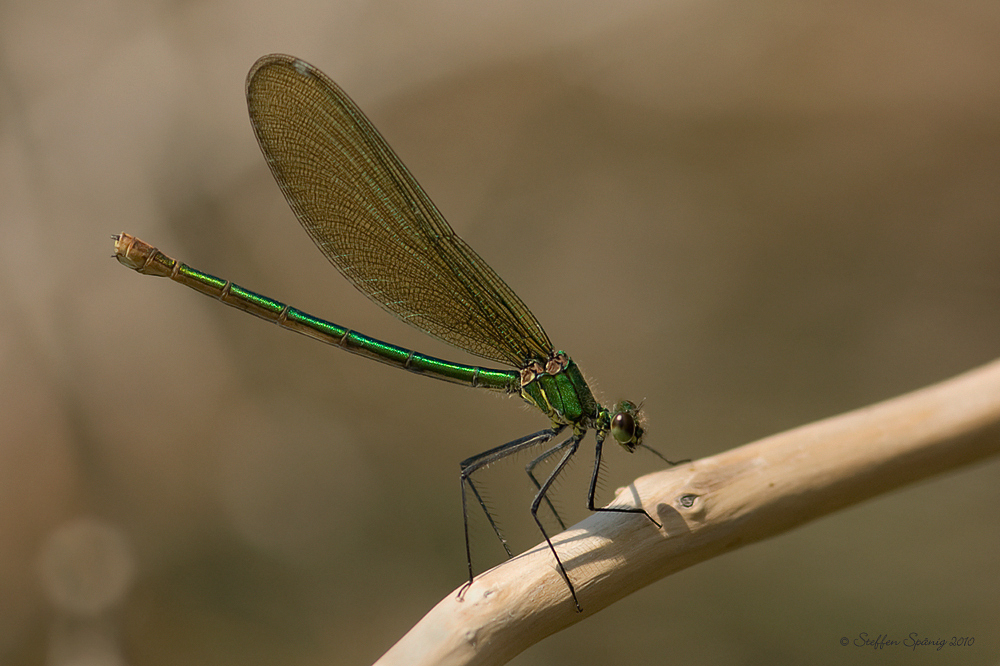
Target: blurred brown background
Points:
(749, 215)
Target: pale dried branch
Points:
(709, 507)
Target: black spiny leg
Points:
(571, 446)
(593, 489)
(530, 470)
(478, 461)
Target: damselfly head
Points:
(626, 425)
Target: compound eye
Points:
(623, 427)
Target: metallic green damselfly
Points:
(370, 218)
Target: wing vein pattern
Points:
(373, 221)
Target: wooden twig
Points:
(707, 508)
